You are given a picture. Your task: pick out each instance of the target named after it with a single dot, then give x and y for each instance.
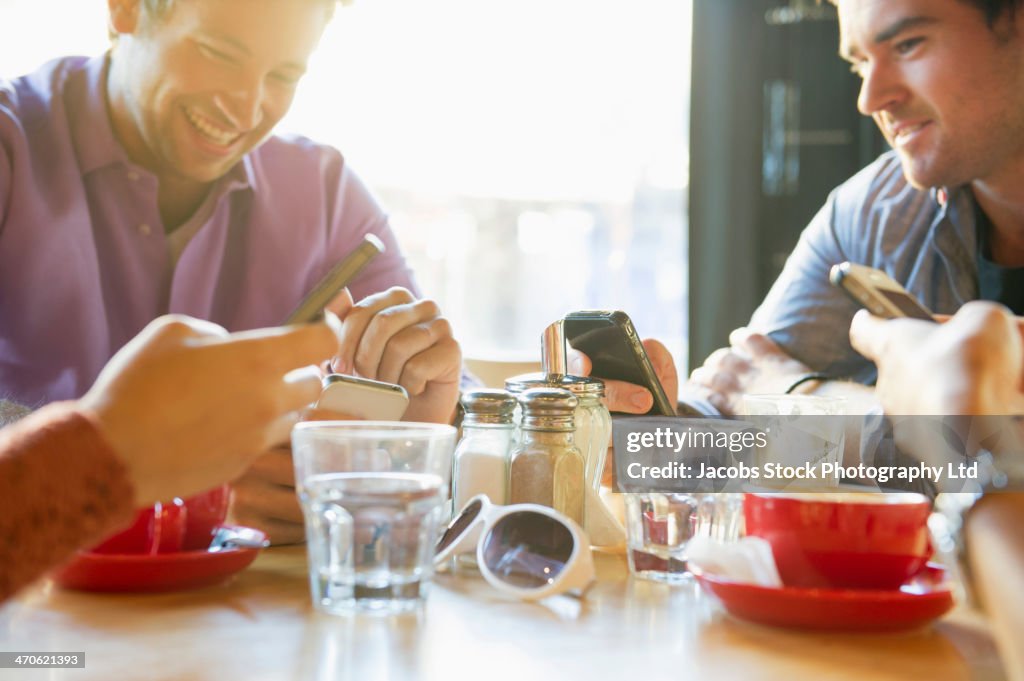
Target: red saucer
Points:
(141, 573)
(924, 597)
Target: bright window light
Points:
(532, 155)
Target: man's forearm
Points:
(11, 412)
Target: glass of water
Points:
(373, 495)
(660, 526)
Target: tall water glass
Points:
(372, 494)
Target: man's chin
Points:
(923, 176)
(206, 173)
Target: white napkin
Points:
(600, 521)
(748, 560)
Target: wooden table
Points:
(261, 626)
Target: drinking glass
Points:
(372, 494)
(659, 527)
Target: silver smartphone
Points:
(312, 306)
(878, 292)
(363, 398)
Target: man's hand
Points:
(753, 363)
(264, 497)
(972, 364)
(391, 336)
(628, 398)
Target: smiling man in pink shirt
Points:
(147, 181)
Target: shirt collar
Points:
(91, 132)
(93, 135)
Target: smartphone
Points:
(312, 306)
(363, 398)
(609, 339)
(878, 292)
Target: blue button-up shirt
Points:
(926, 240)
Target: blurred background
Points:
(655, 156)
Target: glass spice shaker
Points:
(481, 457)
(546, 467)
(592, 420)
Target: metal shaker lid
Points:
(488, 402)
(547, 402)
(577, 385)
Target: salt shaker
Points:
(546, 467)
(481, 457)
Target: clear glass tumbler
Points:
(659, 527)
(372, 494)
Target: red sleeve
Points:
(61, 488)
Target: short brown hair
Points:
(992, 9)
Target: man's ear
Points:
(124, 15)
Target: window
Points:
(532, 155)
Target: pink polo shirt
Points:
(85, 263)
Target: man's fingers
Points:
(275, 467)
(727, 359)
(358, 319)
(408, 343)
(716, 381)
(702, 376)
(661, 359)
(277, 350)
(262, 503)
(412, 322)
(627, 397)
(577, 363)
(341, 304)
(442, 360)
(175, 330)
(867, 334)
(722, 403)
(754, 344)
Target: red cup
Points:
(205, 512)
(850, 541)
(158, 529)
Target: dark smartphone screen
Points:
(614, 349)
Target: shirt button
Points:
(145, 229)
(132, 175)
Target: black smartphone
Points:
(312, 305)
(609, 339)
(878, 292)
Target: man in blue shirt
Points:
(942, 213)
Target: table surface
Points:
(261, 625)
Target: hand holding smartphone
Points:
(878, 292)
(358, 397)
(611, 342)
